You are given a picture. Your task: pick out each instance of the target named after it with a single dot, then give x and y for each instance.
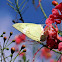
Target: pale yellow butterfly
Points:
(31, 30)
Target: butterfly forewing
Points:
(31, 30)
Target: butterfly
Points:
(31, 30)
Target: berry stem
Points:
(6, 57)
(7, 41)
(16, 56)
(36, 53)
(59, 58)
(50, 48)
(9, 44)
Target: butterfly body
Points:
(31, 30)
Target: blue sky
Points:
(7, 14)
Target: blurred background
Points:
(30, 15)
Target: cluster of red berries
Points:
(20, 38)
(51, 31)
(55, 16)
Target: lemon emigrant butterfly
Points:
(31, 30)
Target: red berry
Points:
(58, 21)
(11, 33)
(12, 50)
(54, 3)
(13, 40)
(4, 32)
(1, 36)
(4, 39)
(24, 50)
(60, 46)
(23, 46)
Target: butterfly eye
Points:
(42, 38)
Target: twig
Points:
(11, 57)
(9, 44)
(17, 8)
(23, 6)
(36, 53)
(12, 7)
(7, 41)
(25, 10)
(1, 55)
(22, 3)
(50, 48)
(15, 1)
(4, 58)
(11, 2)
(43, 10)
(16, 56)
(59, 58)
(33, 1)
(1, 51)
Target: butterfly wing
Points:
(33, 31)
